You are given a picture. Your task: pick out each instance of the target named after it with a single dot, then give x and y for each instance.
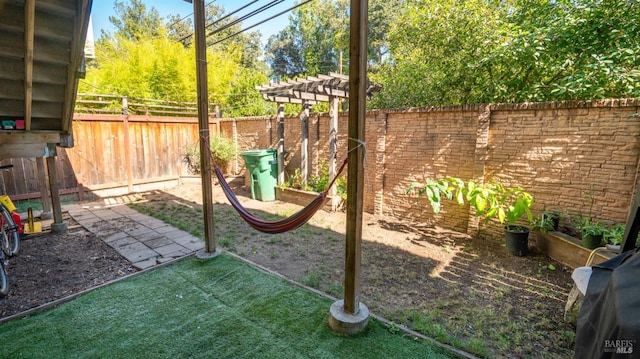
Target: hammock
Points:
(283, 225)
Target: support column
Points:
(280, 149)
(333, 148)
(380, 166)
(44, 191)
(203, 126)
(58, 225)
(304, 144)
(349, 315)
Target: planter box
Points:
(567, 250)
(302, 198)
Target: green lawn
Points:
(218, 308)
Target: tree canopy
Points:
(423, 52)
(449, 52)
(148, 59)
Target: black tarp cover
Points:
(609, 320)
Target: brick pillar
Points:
(479, 162)
(379, 165)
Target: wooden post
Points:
(127, 144)
(58, 226)
(44, 191)
(304, 144)
(349, 315)
(29, 35)
(203, 126)
(280, 143)
(333, 145)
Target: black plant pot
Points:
(517, 240)
(591, 241)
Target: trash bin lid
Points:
(258, 153)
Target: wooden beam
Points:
(333, 147)
(55, 194)
(24, 137)
(80, 27)
(349, 316)
(27, 150)
(304, 143)
(203, 125)
(29, 31)
(42, 186)
(355, 182)
(280, 152)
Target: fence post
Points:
(127, 145)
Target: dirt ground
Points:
(53, 266)
(459, 290)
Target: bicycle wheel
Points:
(9, 236)
(4, 280)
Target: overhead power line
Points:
(247, 16)
(261, 22)
(189, 15)
(220, 19)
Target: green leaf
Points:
(501, 215)
(481, 203)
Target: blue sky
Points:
(102, 9)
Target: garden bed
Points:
(302, 198)
(566, 249)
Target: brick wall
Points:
(556, 151)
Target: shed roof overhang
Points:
(41, 57)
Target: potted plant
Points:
(492, 200)
(548, 221)
(592, 233)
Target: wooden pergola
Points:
(310, 91)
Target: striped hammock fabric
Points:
(283, 225)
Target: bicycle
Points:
(9, 237)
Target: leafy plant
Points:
(614, 234)
(317, 183)
(548, 221)
(192, 159)
(295, 181)
(222, 150)
(587, 227)
(492, 200)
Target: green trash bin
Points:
(263, 172)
